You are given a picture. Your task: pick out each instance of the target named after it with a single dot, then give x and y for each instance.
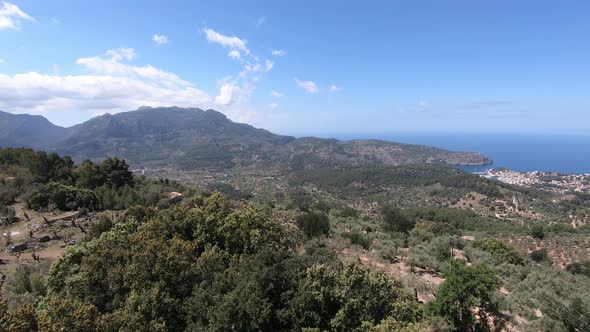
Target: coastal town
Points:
(550, 181)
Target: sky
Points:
(306, 67)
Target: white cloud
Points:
(11, 16)
(334, 88)
(279, 52)
(234, 54)
(112, 65)
(112, 83)
(112, 86)
(121, 54)
(268, 65)
(232, 42)
(273, 106)
(160, 39)
(308, 86)
(275, 94)
(236, 89)
(225, 94)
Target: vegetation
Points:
(210, 268)
(404, 248)
(396, 221)
(465, 298)
(501, 253)
(313, 224)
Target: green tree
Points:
(538, 232)
(314, 224)
(395, 220)
(466, 291)
(58, 314)
(116, 172)
(65, 198)
(501, 253)
(89, 175)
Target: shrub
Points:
(466, 293)
(65, 198)
(7, 215)
(582, 268)
(313, 224)
(103, 224)
(538, 232)
(539, 256)
(359, 239)
(396, 221)
(349, 212)
(500, 252)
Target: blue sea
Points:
(564, 154)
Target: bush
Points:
(501, 253)
(103, 224)
(313, 224)
(7, 215)
(539, 256)
(538, 232)
(582, 268)
(465, 295)
(65, 198)
(349, 212)
(395, 220)
(359, 239)
(432, 256)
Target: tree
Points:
(21, 319)
(501, 253)
(396, 221)
(538, 232)
(540, 256)
(349, 300)
(464, 299)
(88, 175)
(65, 198)
(64, 314)
(314, 224)
(116, 172)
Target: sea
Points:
(551, 153)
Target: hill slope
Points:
(29, 131)
(191, 138)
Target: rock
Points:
(19, 247)
(45, 238)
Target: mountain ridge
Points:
(190, 138)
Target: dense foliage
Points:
(501, 253)
(208, 268)
(466, 295)
(313, 224)
(51, 181)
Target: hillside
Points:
(94, 247)
(190, 138)
(26, 130)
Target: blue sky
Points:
(337, 67)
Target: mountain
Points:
(29, 131)
(191, 138)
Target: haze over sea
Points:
(558, 153)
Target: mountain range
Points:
(192, 138)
